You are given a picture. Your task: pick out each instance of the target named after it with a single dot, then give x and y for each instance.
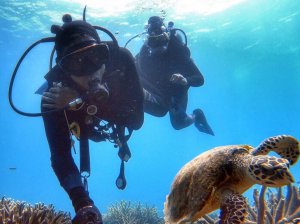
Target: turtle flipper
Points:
(233, 208)
(286, 146)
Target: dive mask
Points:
(85, 61)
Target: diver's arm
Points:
(57, 130)
(193, 75)
(184, 63)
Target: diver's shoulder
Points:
(124, 53)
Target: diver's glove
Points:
(88, 215)
(58, 96)
(178, 79)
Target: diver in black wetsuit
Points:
(166, 72)
(101, 83)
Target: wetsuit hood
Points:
(77, 48)
(74, 35)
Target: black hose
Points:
(185, 37)
(109, 34)
(11, 84)
(134, 38)
(51, 58)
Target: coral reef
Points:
(279, 207)
(125, 212)
(15, 212)
(269, 207)
(276, 208)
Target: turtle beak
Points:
(281, 174)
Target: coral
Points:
(16, 212)
(276, 208)
(127, 213)
(269, 208)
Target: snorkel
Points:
(55, 29)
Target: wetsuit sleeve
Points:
(62, 162)
(57, 132)
(192, 73)
(184, 63)
(132, 94)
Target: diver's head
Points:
(79, 49)
(81, 56)
(155, 25)
(157, 35)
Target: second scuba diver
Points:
(96, 81)
(167, 72)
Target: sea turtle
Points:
(218, 177)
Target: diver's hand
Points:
(178, 79)
(58, 96)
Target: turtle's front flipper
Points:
(286, 146)
(233, 208)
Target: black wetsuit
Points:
(155, 71)
(124, 107)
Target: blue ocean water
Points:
(248, 52)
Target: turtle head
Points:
(270, 171)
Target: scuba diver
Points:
(93, 81)
(166, 72)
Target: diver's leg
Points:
(178, 116)
(154, 105)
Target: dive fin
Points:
(201, 122)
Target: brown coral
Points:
(16, 212)
(276, 209)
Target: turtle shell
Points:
(197, 187)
